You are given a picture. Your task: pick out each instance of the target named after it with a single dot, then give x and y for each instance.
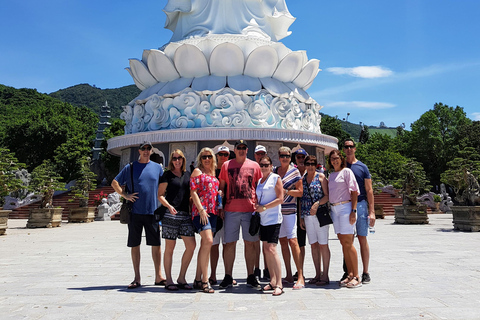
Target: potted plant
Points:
(413, 184)
(437, 199)
(463, 178)
(377, 187)
(8, 183)
(85, 183)
(45, 181)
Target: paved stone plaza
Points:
(80, 271)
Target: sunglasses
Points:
(221, 154)
(348, 147)
(146, 148)
(301, 156)
(264, 165)
(310, 164)
(176, 158)
(242, 148)
(333, 159)
(284, 156)
(207, 157)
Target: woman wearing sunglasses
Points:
(315, 194)
(174, 194)
(204, 191)
(343, 192)
(269, 199)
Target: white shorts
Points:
(341, 218)
(316, 233)
(219, 237)
(289, 226)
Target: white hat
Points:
(260, 148)
(223, 148)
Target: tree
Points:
(8, 181)
(413, 182)
(434, 139)
(46, 181)
(333, 127)
(86, 182)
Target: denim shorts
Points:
(211, 225)
(362, 218)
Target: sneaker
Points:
(266, 274)
(295, 276)
(365, 278)
(253, 282)
(257, 273)
(226, 282)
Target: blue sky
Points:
(381, 60)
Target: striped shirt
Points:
(289, 205)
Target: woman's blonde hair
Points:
(285, 149)
(170, 162)
(199, 159)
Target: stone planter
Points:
(379, 213)
(411, 214)
(81, 214)
(4, 220)
(466, 218)
(45, 218)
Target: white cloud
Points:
(361, 104)
(476, 116)
(368, 72)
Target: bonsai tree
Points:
(463, 177)
(85, 182)
(8, 180)
(45, 181)
(413, 183)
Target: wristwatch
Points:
(354, 210)
(264, 208)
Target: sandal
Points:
(134, 285)
(275, 290)
(184, 286)
(212, 282)
(197, 284)
(354, 285)
(322, 282)
(206, 288)
(268, 287)
(161, 283)
(343, 283)
(171, 287)
(313, 280)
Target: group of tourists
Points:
(217, 199)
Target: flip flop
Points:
(161, 283)
(279, 294)
(184, 286)
(134, 285)
(171, 287)
(298, 286)
(268, 287)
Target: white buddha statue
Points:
(268, 19)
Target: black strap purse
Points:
(126, 209)
(323, 211)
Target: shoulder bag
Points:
(126, 209)
(323, 211)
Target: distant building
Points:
(103, 124)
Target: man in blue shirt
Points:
(146, 177)
(365, 204)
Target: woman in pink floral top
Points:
(204, 191)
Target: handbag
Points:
(126, 209)
(323, 212)
(159, 213)
(254, 224)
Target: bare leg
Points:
(204, 253)
(316, 260)
(350, 253)
(214, 255)
(157, 262)
(364, 252)
(167, 259)
(186, 258)
(229, 256)
(296, 258)
(274, 263)
(325, 257)
(257, 255)
(286, 259)
(135, 253)
(250, 255)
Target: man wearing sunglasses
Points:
(238, 181)
(365, 204)
(146, 177)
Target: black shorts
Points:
(138, 222)
(270, 233)
(301, 234)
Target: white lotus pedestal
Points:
(81, 214)
(45, 218)
(411, 214)
(3, 220)
(466, 218)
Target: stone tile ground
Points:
(80, 271)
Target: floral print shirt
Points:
(207, 190)
(311, 191)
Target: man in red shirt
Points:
(238, 181)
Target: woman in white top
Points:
(269, 199)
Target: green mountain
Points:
(94, 98)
